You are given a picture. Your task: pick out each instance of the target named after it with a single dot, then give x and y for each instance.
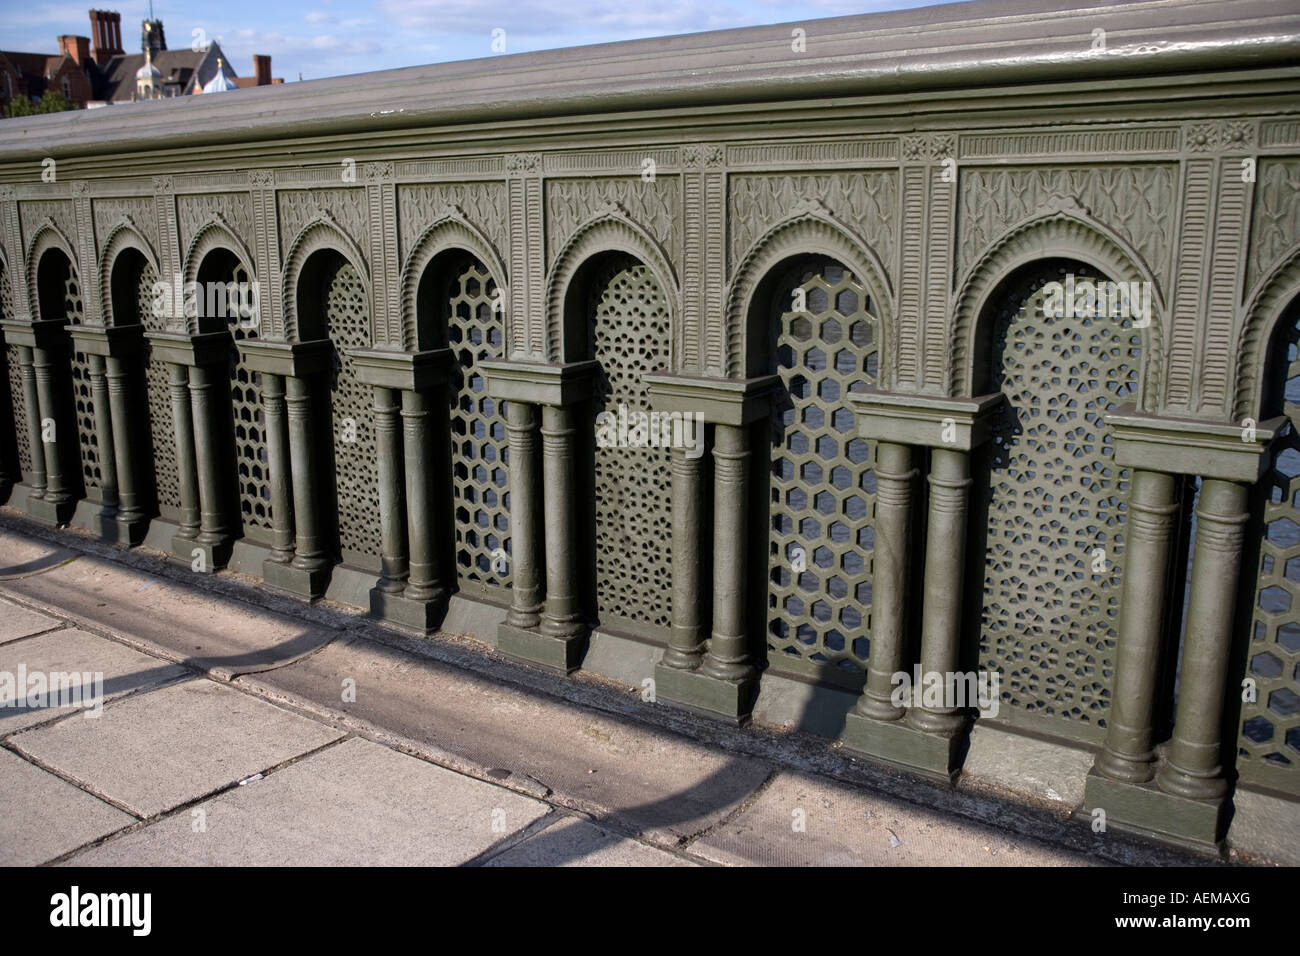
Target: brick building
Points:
(97, 71)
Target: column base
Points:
(558, 653)
(296, 582)
(1145, 809)
(48, 512)
(423, 617)
(131, 532)
(898, 742)
(728, 700)
(215, 556)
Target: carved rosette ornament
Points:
(523, 164)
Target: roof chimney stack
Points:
(105, 35)
(262, 68)
(76, 47)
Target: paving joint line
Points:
(143, 823)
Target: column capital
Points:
(180, 348)
(291, 359)
(116, 341)
(545, 383)
(1186, 446)
(722, 401)
(408, 371)
(933, 421)
(41, 334)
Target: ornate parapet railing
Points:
(759, 367)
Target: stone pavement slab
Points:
(202, 628)
(16, 622)
(42, 816)
(800, 820)
(356, 803)
(159, 749)
(21, 555)
(69, 650)
(575, 842)
(658, 783)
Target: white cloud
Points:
(529, 18)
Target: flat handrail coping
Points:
(953, 46)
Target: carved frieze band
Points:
(1081, 142)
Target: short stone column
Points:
(945, 576)
(1129, 754)
(1192, 767)
(563, 614)
(295, 476)
(35, 447)
(108, 490)
(210, 410)
(687, 640)
(891, 720)
(891, 556)
(114, 356)
(202, 434)
(279, 467)
(1178, 791)
(394, 553)
(54, 448)
(424, 585)
(527, 592)
(414, 584)
(558, 638)
(178, 383)
(717, 676)
(20, 335)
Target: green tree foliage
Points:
(51, 102)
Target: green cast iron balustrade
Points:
(480, 459)
(1268, 750)
(250, 428)
(347, 316)
(823, 478)
(630, 334)
(1055, 496)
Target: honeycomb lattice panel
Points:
(822, 491)
(84, 404)
(480, 458)
(19, 399)
(83, 400)
(1269, 744)
(356, 473)
(1056, 495)
(630, 335)
(158, 395)
(248, 412)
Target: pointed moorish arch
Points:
(322, 233)
(810, 230)
(1271, 298)
(1064, 233)
(214, 234)
(610, 230)
(450, 231)
(46, 237)
(121, 237)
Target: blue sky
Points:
(334, 37)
